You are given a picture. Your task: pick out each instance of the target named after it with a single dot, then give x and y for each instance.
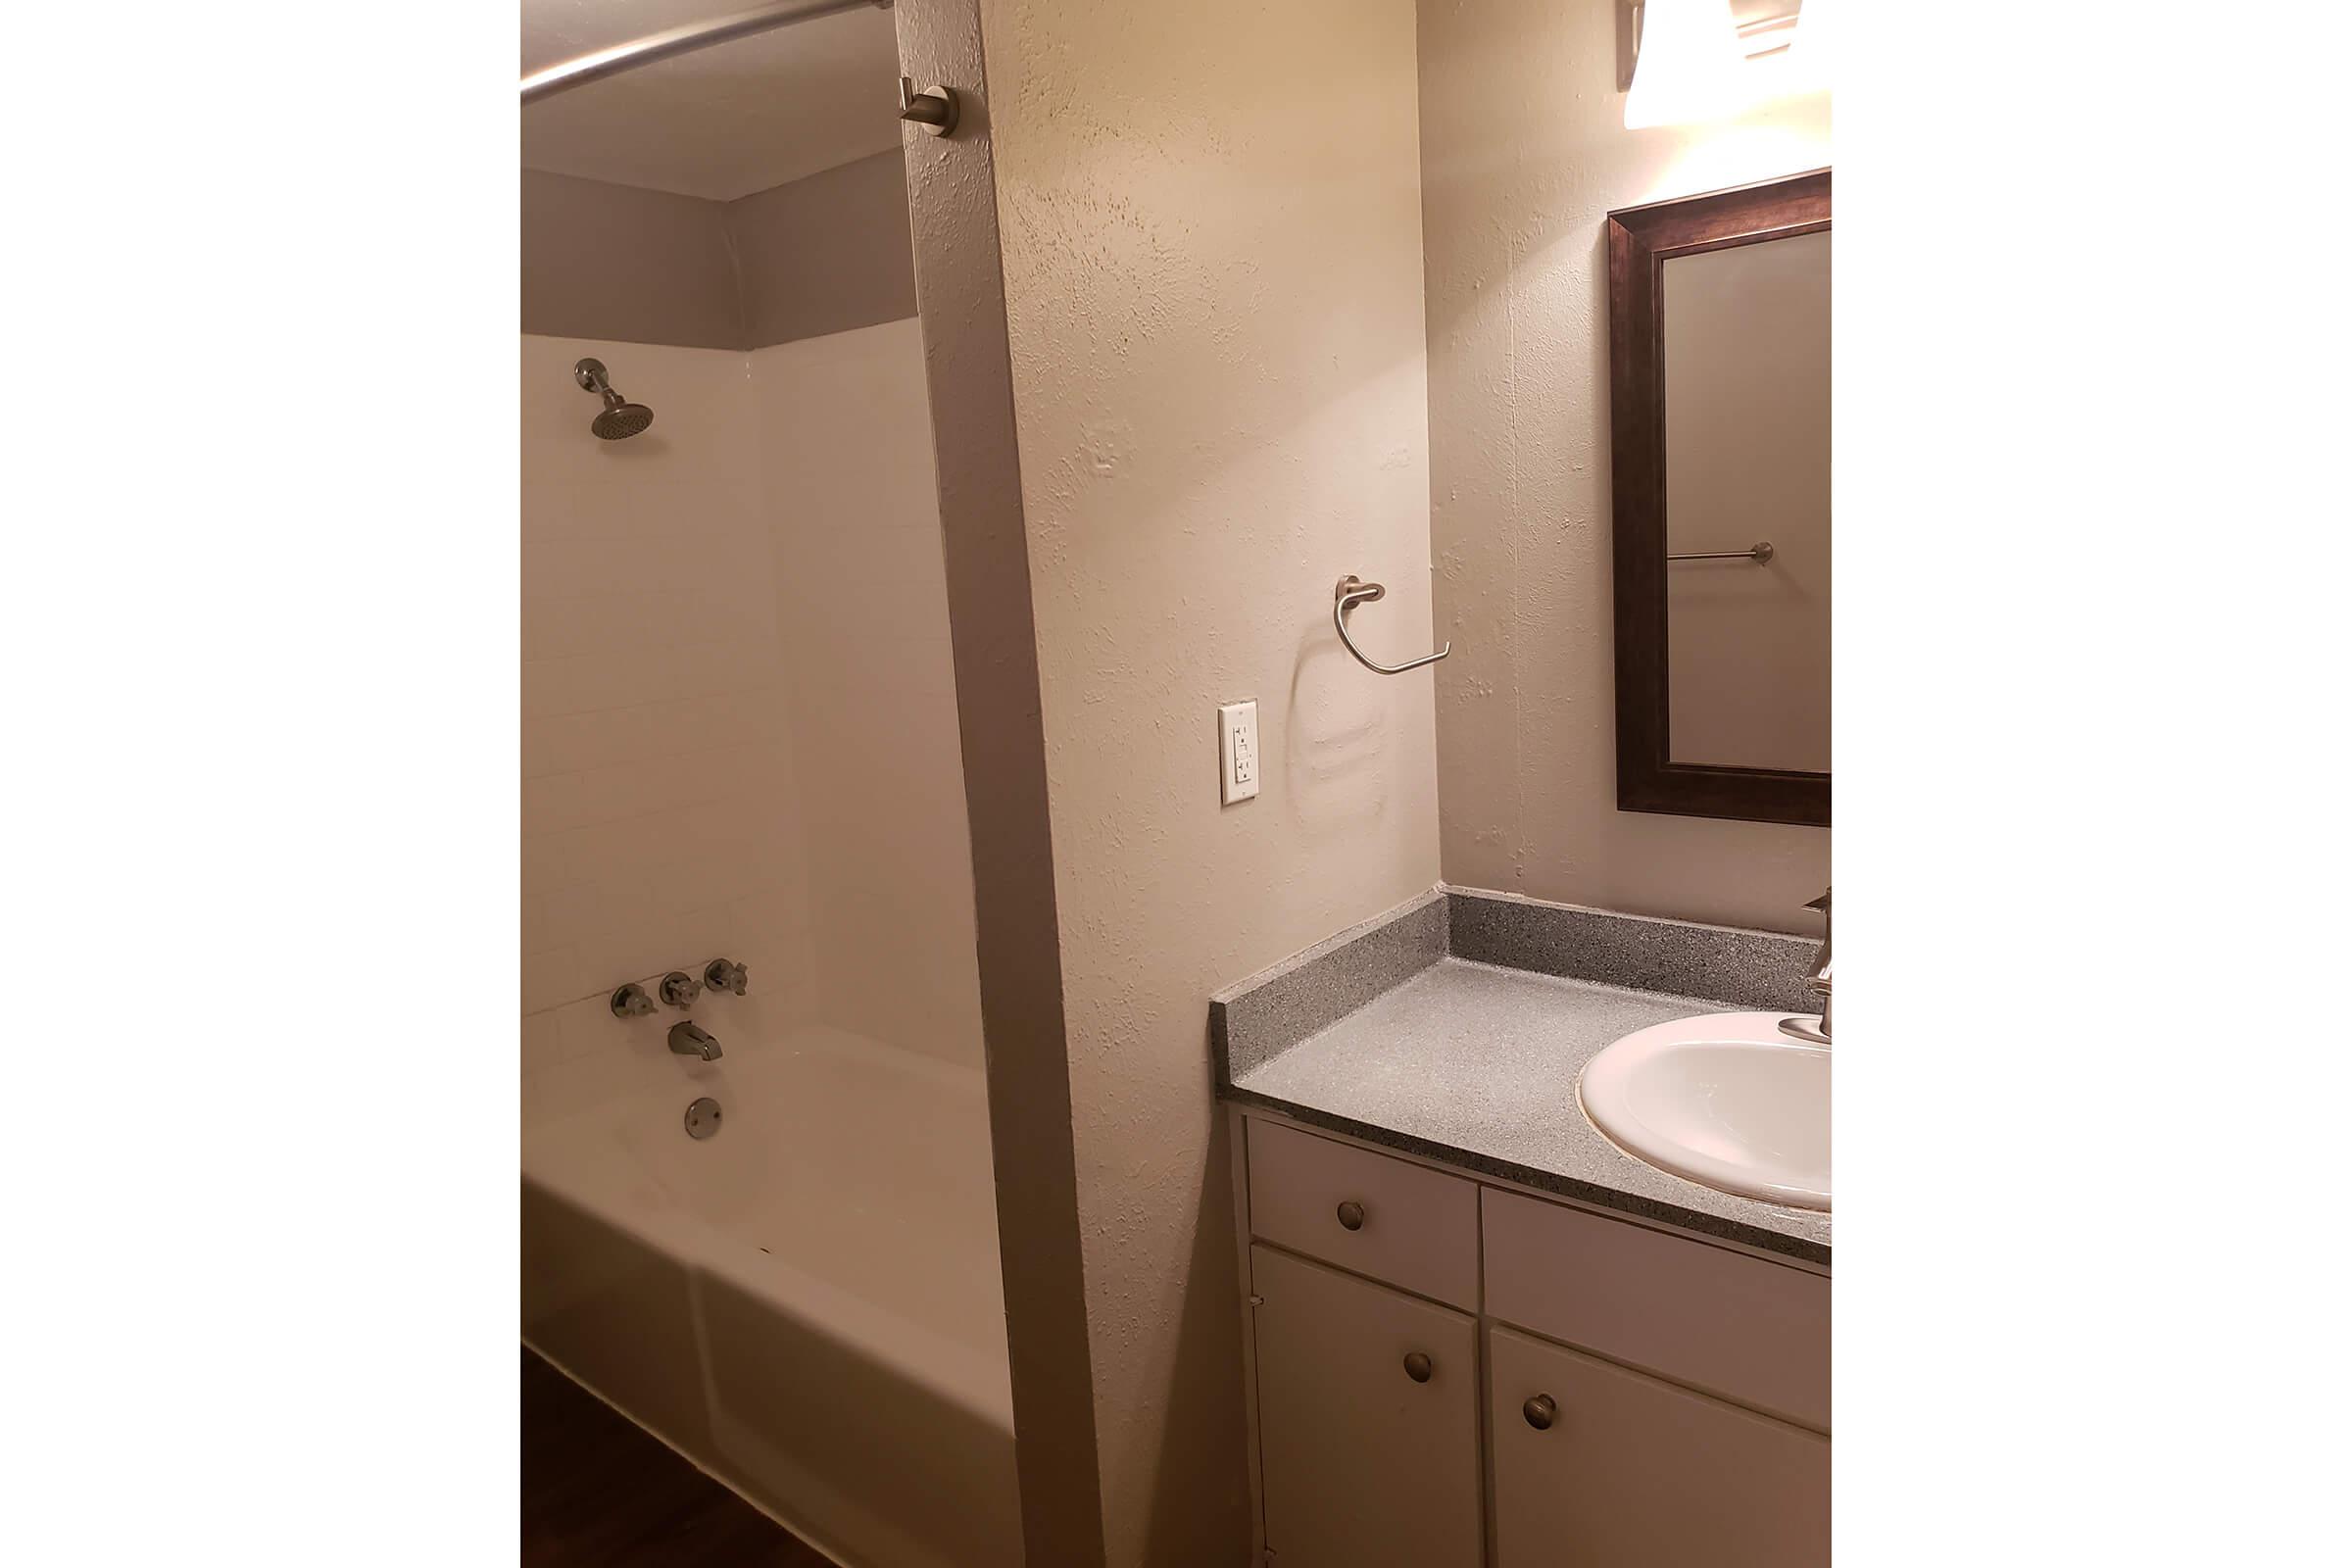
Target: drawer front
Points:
(1751, 1331)
(1395, 1221)
(1617, 1470)
(1367, 1412)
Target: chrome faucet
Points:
(1817, 982)
(690, 1039)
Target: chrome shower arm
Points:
(683, 39)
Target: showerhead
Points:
(622, 419)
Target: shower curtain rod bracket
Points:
(934, 108)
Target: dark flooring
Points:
(599, 1489)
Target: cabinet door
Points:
(1619, 1470)
(1362, 1463)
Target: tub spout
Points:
(693, 1040)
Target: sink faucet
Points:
(691, 1038)
(1817, 982)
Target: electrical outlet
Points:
(1237, 750)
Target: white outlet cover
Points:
(1237, 751)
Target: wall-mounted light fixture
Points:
(1695, 60)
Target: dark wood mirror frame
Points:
(1641, 240)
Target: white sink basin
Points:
(1724, 1099)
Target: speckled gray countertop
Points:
(1475, 1064)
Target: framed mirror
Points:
(1719, 406)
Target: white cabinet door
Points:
(1367, 1412)
(1596, 1466)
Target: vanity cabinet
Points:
(1367, 1421)
(1447, 1371)
(1596, 1466)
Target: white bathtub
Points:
(808, 1304)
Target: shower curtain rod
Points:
(674, 42)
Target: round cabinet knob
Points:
(1540, 1412)
(1352, 1215)
(1417, 1367)
(680, 989)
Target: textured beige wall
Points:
(1523, 151)
(825, 253)
(627, 265)
(967, 359)
(1213, 263)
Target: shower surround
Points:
(738, 708)
(739, 740)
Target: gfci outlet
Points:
(1237, 750)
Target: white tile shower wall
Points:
(852, 510)
(660, 826)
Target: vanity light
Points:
(1703, 60)
(1689, 65)
(1812, 51)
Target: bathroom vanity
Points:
(1477, 1332)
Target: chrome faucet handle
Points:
(725, 975)
(631, 1002)
(680, 989)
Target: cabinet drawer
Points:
(1748, 1330)
(1367, 1411)
(1393, 1221)
(1617, 1470)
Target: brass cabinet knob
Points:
(1352, 1215)
(1540, 1411)
(1417, 1366)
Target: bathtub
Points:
(808, 1305)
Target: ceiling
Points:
(721, 122)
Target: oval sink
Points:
(1724, 1100)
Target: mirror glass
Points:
(1746, 339)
